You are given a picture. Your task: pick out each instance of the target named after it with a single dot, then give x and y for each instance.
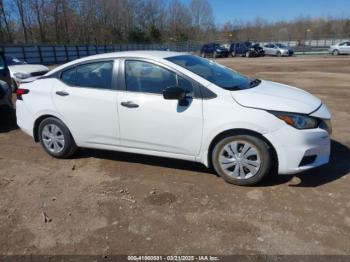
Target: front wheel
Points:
(56, 139)
(242, 159)
(247, 54)
(336, 52)
(215, 55)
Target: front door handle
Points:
(129, 104)
(62, 93)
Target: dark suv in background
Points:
(5, 84)
(247, 49)
(214, 50)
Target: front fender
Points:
(239, 126)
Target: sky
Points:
(276, 10)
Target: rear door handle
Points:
(129, 104)
(62, 93)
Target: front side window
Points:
(217, 74)
(147, 77)
(93, 75)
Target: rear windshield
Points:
(215, 73)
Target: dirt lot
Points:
(104, 202)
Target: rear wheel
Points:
(203, 54)
(242, 159)
(233, 53)
(215, 55)
(279, 54)
(247, 54)
(56, 139)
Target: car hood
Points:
(278, 97)
(27, 68)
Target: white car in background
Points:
(176, 105)
(340, 48)
(23, 72)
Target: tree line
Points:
(144, 21)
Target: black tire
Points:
(233, 53)
(203, 54)
(335, 52)
(261, 147)
(279, 54)
(215, 55)
(247, 54)
(69, 147)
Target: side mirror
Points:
(174, 93)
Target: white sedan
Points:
(176, 105)
(23, 72)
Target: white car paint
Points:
(162, 128)
(29, 72)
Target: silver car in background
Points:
(277, 49)
(340, 48)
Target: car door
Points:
(347, 48)
(267, 49)
(147, 120)
(86, 97)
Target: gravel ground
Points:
(103, 202)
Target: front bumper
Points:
(294, 146)
(222, 53)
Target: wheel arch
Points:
(41, 118)
(241, 131)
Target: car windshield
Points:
(11, 60)
(217, 74)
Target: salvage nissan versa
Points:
(176, 105)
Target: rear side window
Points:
(68, 76)
(93, 75)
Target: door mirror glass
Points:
(174, 93)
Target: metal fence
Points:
(58, 54)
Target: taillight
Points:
(20, 92)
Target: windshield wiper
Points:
(254, 82)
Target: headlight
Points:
(21, 75)
(218, 50)
(297, 120)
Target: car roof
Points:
(155, 55)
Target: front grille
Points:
(307, 160)
(39, 73)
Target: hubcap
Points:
(53, 138)
(239, 160)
